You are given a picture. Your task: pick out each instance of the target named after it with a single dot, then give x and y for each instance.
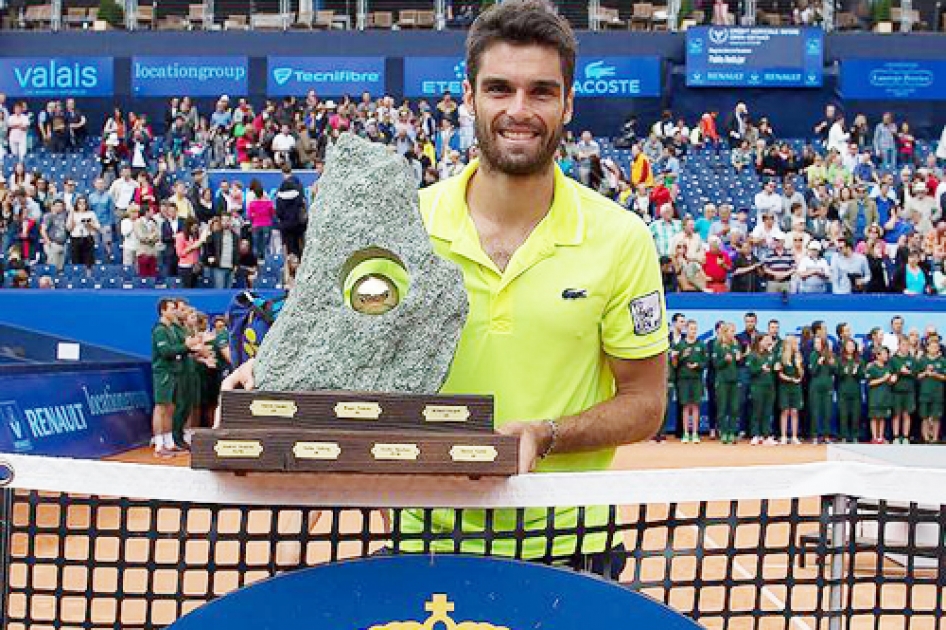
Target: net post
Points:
(839, 543)
(6, 517)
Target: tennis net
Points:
(833, 545)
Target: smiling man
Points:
(567, 326)
(573, 378)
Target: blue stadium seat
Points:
(145, 283)
(173, 282)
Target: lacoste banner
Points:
(434, 592)
(85, 412)
(328, 76)
(609, 77)
(56, 76)
(617, 77)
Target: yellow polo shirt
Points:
(584, 286)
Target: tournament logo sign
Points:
(434, 592)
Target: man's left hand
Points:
(534, 439)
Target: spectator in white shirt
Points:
(283, 146)
(129, 236)
(768, 201)
(764, 235)
(838, 137)
(123, 190)
(813, 271)
(18, 124)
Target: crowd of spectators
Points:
(855, 210)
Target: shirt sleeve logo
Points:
(647, 314)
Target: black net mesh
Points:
(802, 564)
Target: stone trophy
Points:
(348, 377)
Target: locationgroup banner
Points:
(191, 76)
(893, 79)
(609, 77)
(719, 56)
(56, 76)
(75, 413)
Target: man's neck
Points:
(500, 198)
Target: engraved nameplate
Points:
(358, 410)
(446, 413)
(464, 453)
(274, 408)
(399, 452)
(251, 449)
(316, 450)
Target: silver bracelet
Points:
(553, 426)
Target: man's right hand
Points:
(240, 378)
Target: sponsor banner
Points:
(57, 76)
(432, 76)
(443, 592)
(81, 413)
(328, 76)
(189, 76)
(893, 79)
(610, 77)
(719, 56)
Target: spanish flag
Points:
(641, 172)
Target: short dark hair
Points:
(163, 304)
(522, 22)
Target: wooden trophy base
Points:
(347, 451)
(356, 432)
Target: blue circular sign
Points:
(434, 592)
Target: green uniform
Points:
(850, 381)
(726, 366)
(167, 360)
(690, 364)
(820, 389)
(789, 393)
(904, 390)
(671, 387)
(931, 389)
(878, 396)
(187, 394)
(762, 388)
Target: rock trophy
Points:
(348, 376)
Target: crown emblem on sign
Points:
(439, 608)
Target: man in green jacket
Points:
(170, 348)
